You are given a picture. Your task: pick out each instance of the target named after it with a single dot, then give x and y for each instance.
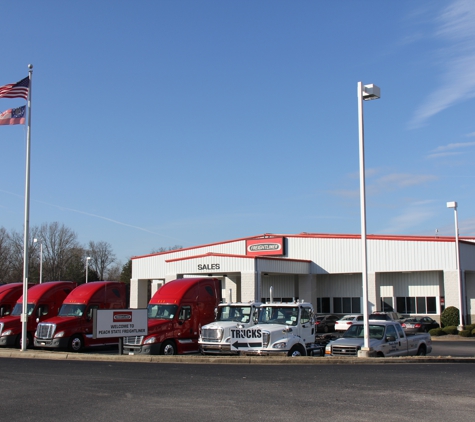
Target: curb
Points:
(237, 360)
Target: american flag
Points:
(18, 90)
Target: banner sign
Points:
(267, 246)
(120, 323)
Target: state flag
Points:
(13, 116)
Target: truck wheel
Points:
(168, 348)
(76, 343)
(422, 350)
(297, 350)
(29, 341)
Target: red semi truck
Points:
(73, 327)
(44, 301)
(9, 294)
(176, 313)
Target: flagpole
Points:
(26, 227)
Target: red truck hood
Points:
(157, 325)
(63, 323)
(10, 321)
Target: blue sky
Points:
(161, 123)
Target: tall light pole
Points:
(87, 266)
(366, 92)
(453, 205)
(41, 259)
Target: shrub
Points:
(470, 327)
(473, 332)
(450, 317)
(465, 333)
(450, 330)
(437, 332)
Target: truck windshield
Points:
(19, 307)
(278, 315)
(234, 313)
(357, 331)
(72, 309)
(161, 311)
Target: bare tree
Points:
(170, 248)
(60, 248)
(113, 272)
(101, 257)
(5, 253)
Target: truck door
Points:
(185, 335)
(390, 343)
(403, 341)
(307, 328)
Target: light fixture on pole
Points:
(41, 259)
(87, 266)
(366, 92)
(453, 205)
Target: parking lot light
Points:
(453, 205)
(366, 92)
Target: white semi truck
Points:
(215, 337)
(283, 329)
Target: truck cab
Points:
(215, 337)
(9, 294)
(283, 329)
(43, 301)
(72, 328)
(175, 313)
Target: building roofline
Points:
(304, 235)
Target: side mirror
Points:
(390, 338)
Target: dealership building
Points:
(412, 275)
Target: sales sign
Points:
(119, 323)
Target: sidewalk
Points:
(239, 360)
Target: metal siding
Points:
(282, 286)
(151, 266)
(281, 266)
(418, 284)
(332, 256)
(339, 285)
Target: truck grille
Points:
(212, 334)
(345, 350)
(133, 341)
(45, 331)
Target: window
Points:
(305, 315)
(400, 331)
(323, 305)
(346, 305)
(391, 331)
(416, 305)
(387, 304)
(185, 313)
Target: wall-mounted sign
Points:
(119, 323)
(208, 267)
(266, 246)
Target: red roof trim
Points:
(223, 255)
(305, 235)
